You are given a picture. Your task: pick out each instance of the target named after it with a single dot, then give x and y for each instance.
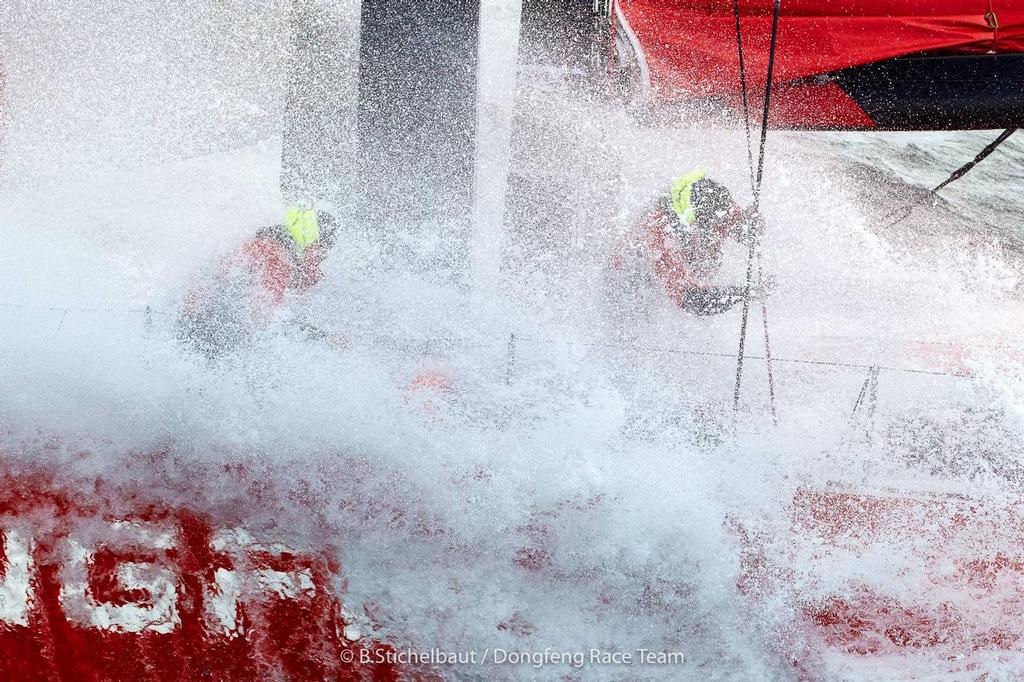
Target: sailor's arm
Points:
(745, 224)
(712, 300)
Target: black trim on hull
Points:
(956, 92)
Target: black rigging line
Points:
(743, 89)
(767, 350)
(514, 342)
(957, 174)
(752, 250)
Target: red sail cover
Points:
(102, 585)
(689, 46)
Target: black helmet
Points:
(711, 201)
(328, 229)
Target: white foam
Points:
(579, 499)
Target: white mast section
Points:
(496, 85)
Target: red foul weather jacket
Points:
(681, 261)
(242, 294)
(275, 266)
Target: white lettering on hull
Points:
(157, 612)
(143, 572)
(230, 586)
(16, 586)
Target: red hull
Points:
(90, 592)
(894, 577)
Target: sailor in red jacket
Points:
(252, 283)
(680, 238)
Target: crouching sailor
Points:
(249, 285)
(679, 239)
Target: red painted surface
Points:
(92, 585)
(960, 591)
(794, 105)
(690, 45)
(972, 559)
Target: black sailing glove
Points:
(749, 226)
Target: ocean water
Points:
(584, 483)
(926, 159)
